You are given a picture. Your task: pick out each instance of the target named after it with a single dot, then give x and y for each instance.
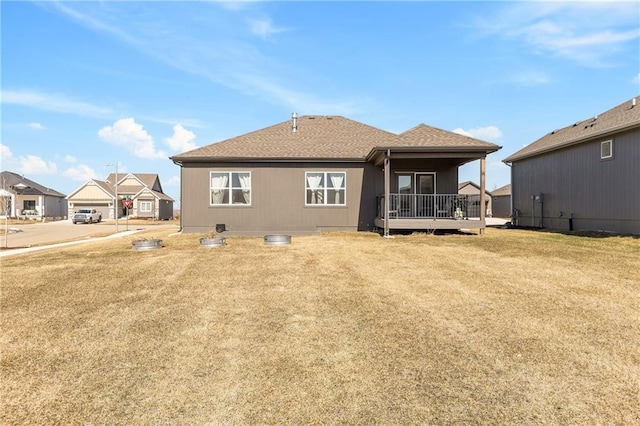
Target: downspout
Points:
(511, 211)
(177, 163)
(483, 174)
(387, 174)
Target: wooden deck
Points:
(431, 223)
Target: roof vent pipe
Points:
(294, 125)
(633, 102)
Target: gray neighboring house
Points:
(501, 201)
(24, 198)
(329, 173)
(584, 177)
(472, 188)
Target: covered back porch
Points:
(430, 211)
(420, 189)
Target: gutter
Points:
(179, 161)
(590, 138)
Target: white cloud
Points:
(5, 153)
(182, 139)
(591, 33)
(70, 159)
(490, 133)
(173, 181)
(34, 165)
(130, 135)
(221, 58)
(263, 28)
(36, 126)
(26, 165)
(56, 103)
(80, 173)
(531, 78)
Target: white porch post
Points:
(483, 172)
(387, 190)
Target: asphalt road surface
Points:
(38, 233)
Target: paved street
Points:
(32, 234)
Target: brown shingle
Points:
(316, 137)
(621, 117)
(427, 136)
(326, 137)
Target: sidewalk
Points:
(13, 252)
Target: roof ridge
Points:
(622, 116)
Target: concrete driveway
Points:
(37, 234)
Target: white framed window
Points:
(230, 188)
(325, 188)
(606, 150)
(144, 206)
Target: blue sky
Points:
(86, 84)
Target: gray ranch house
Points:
(25, 199)
(329, 173)
(585, 176)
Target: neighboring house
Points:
(142, 190)
(501, 201)
(327, 173)
(24, 198)
(472, 188)
(582, 177)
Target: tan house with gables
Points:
(113, 194)
(330, 173)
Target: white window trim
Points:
(602, 144)
(144, 202)
(231, 188)
(325, 189)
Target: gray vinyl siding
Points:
(278, 199)
(165, 211)
(55, 207)
(501, 205)
(601, 195)
(446, 173)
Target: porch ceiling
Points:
(461, 155)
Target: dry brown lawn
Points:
(515, 327)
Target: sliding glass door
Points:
(414, 194)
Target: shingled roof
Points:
(437, 139)
(622, 117)
(317, 137)
(10, 179)
(326, 138)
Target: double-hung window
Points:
(230, 188)
(145, 206)
(325, 188)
